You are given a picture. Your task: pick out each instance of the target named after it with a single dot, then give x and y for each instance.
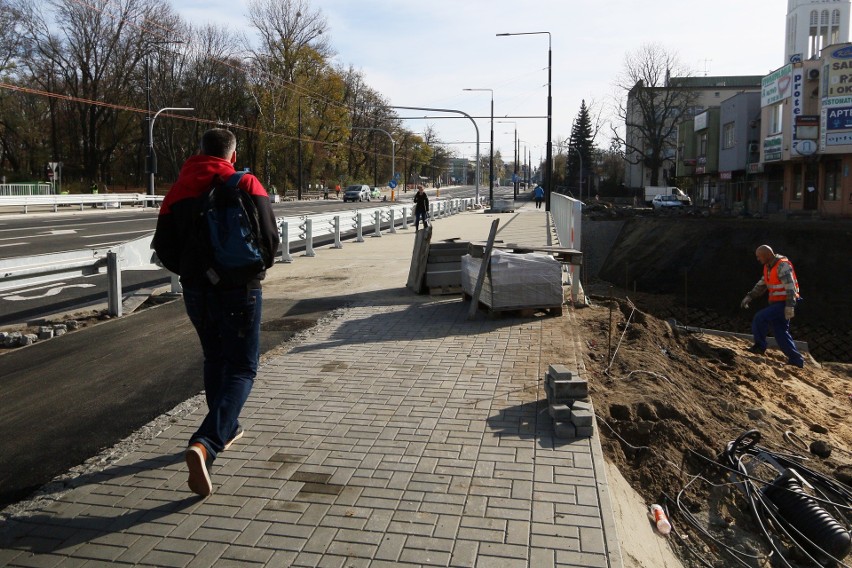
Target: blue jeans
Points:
(228, 325)
(418, 216)
(773, 316)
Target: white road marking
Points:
(115, 234)
(51, 292)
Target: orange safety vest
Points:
(774, 286)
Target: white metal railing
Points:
(20, 272)
(17, 189)
(567, 215)
(25, 202)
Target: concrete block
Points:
(564, 431)
(582, 418)
(28, 339)
(584, 431)
(560, 412)
(581, 405)
(568, 389)
(560, 372)
(45, 332)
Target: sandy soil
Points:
(668, 403)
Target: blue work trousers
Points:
(228, 325)
(772, 316)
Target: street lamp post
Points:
(393, 146)
(515, 181)
(491, 158)
(549, 156)
(299, 189)
(152, 157)
(475, 127)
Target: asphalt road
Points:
(66, 399)
(97, 228)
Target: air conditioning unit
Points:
(753, 148)
(813, 74)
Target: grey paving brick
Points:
(390, 547)
(571, 558)
(425, 558)
(166, 559)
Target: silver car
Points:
(356, 193)
(666, 201)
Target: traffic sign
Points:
(397, 175)
(392, 184)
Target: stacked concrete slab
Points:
(568, 403)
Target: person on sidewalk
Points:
(538, 194)
(421, 207)
(779, 280)
(227, 319)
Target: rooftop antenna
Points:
(707, 66)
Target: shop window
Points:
(798, 183)
(831, 188)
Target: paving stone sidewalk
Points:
(390, 435)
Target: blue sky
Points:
(424, 52)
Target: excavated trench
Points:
(697, 269)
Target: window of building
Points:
(728, 138)
(702, 144)
(831, 188)
(775, 118)
(798, 183)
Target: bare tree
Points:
(89, 51)
(651, 107)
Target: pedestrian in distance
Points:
(780, 283)
(224, 311)
(538, 194)
(421, 208)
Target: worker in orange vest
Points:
(780, 282)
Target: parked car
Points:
(375, 193)
(666, 202)
(357, 193)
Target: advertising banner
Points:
(776, 86)
(838, 65)
(772, 146)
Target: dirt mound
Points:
(668, 403)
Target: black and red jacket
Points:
(174, 240)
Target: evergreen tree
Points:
(580, 151)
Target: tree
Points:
(581, 151)
(652, 107)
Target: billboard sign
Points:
(772, 146)
(776, 86)
(838, 67)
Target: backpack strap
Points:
(234, 180)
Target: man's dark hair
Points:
(219, 143)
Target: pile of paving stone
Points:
(11, 339)
(568, 403)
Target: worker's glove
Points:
(789, 312)
(746, 301)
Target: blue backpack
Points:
(230, 228)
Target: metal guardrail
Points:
(36, 188)
(106, 200)
(20, 272)
(567, 216)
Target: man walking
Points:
(538, 193)
(226, 318)
(779, 281)
(421, 207)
